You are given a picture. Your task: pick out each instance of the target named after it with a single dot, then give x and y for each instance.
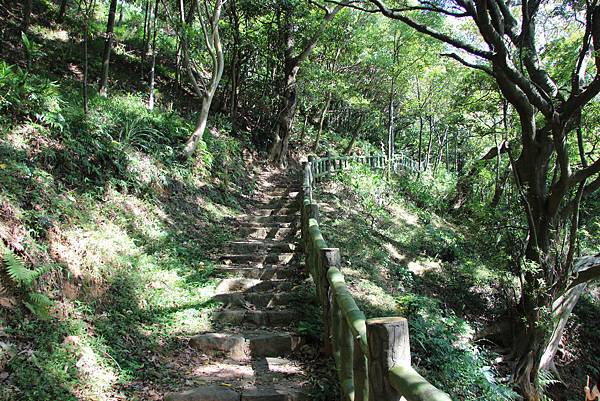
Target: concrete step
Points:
(262, 273)
(272, 233)
(287, 192)
(269, 219)
(258, 259)
(284, 389)
(253, 245)
(276, 211)
(261, 318)
(276, 202)
(230, 285)
(267, 224)
(258, 299)
(242, 346)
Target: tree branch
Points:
(430, 32)
(464, 62)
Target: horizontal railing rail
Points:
(372, 356)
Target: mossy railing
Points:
(372, 356)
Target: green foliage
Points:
(26, 95)
(25, 278)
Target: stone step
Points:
(267, 224)
(272, 233)
(258, 259)
(276, 202)
(263, 273)
(286, 390)
(287, 218)
(253, 245)
(276, 211)
(258, 299)
(238, 284)
(242, 346)
(288, 192)
(262, 318)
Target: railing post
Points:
(313, 172)
(359, 367)
(389, 345)
(346, 344)
(330, 257)
(328, 162)
(311, 211)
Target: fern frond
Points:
(39, 304)
(17, 271)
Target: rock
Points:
(235, 346)
(209, 393)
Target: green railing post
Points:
(387, 339)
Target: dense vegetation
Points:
(131, 132)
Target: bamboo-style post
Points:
(334, 318)
(389, 345)
(359, 367)
(330, 257)
(346, 342)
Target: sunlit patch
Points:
(374, 295)
(216, 371)
(285, 366)
(421, 266)
(400, 212)
(96, 376)
(51, 34)
(394, 254)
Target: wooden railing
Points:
(372, 356)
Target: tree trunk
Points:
(153, 62)
(120, 21)
(61, 11)
(235, 61)
(321, 122)
(107, 48)
(86, 35)
(27, 6)
(303, 133)
(564, 305)
(429, 141)
(351, 143)
(146, 35)
(215, 48)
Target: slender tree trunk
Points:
(499, 188)
(429, 142)
(146, 35)
(321, 122)
(107, 48)
(348, 148)
(120, 21)
(303, 133)
(61, 11)
(27, 6)
(153, 62)
(235, 61)
(86, 35)
(213, 42)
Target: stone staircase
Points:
(255, 350)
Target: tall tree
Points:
(291, 65)
(550, 182)
(209, 15)
(108, 42)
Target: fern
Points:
(39, 304)
(18, 272)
